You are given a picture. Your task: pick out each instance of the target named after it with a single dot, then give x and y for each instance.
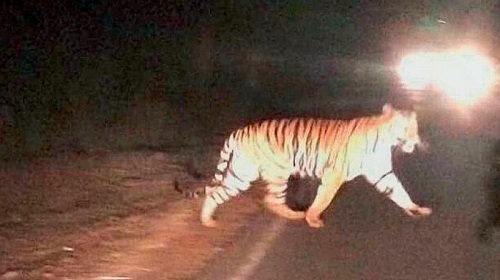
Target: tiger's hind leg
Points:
(275, 201)
(237, 178)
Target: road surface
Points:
(367, 237)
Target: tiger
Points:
(196, 192)
(299, 195)
(333, 150)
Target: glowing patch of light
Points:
(463, 75)
(414, 70)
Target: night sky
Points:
(57, 55)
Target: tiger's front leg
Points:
(330, 184)
(394, 190)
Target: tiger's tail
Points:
(224, 160)
(189, 193)
(193, 172)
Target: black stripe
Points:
(382, 177)
(388, 191)
(338, 129)
(348, 144)
(277, 130)
(316, 149)
(295, 141)
(307, 138)
(221, 198)
(367, 141)
(376, 140)
(266, 127)
(281, 195)
(231, 172)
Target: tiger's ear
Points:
(387, 109)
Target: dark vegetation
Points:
(80, 76)
(491, 216)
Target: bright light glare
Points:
(415, 70)
(463, 75)
(466, 75)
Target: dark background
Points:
(84, 75)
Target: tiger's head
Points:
(403, 127)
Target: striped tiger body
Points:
(300, 190)
(334, 151)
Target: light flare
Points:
(463, 75)
(414, 70)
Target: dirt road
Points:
(116, 216)
(106, 216)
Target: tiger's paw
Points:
(209, 222)
(284, 211)
(419, 212)
(315, 222)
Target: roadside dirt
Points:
(108, 216)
